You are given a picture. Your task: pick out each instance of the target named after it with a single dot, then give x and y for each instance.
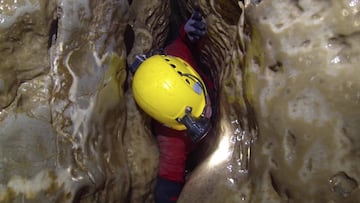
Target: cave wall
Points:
(288, 94)
(303, 82)
(69, 129)
(298, 79)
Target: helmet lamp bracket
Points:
(197, 128)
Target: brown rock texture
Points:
(304, 86)
(289, 97)
(299, 76)
(70, 131)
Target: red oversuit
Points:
(174, 145)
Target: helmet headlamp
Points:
(196, 128)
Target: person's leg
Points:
(173, 149)
(167, 191)
(172, 159)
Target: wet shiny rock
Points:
(288, 94)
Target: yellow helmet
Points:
(167, 88)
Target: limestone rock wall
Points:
(288, 93)
(303, 82)
(70, 130)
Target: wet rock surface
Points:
(288, 117)
(304, 86)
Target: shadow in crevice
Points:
(53, 31)
(178, 17)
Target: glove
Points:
(195, 27)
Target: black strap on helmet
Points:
(142, 57)
(137, 62)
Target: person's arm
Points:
(189, 34)
(195, 27)
(183, 36)
(182, 49)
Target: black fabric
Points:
(167, 191)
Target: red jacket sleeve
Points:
(181, 47)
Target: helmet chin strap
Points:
(197, 128)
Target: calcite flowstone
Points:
(69, 130)
(300, 76)
(288, 89)
(303, 80)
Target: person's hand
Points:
(195, 27)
